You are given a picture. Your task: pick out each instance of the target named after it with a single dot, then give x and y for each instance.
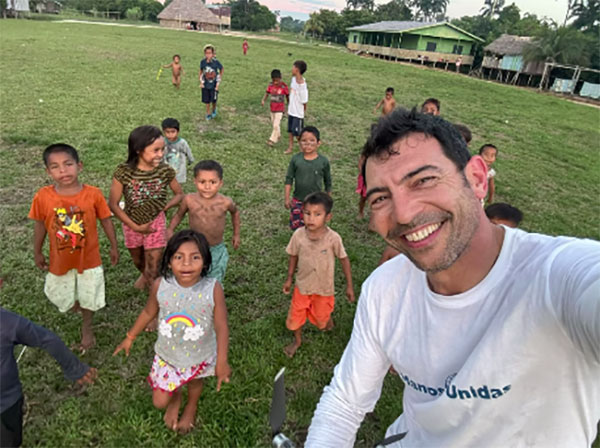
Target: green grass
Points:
(98, 82)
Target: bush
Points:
(134, 13)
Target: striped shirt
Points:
(145, 192)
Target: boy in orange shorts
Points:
(312, 249)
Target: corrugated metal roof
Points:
(393, 26)
(507, 44)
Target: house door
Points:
(431, 46)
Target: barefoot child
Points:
(177, 150)
(308, 171)
(312, 249)
(193, 336)
(176, 70)
(17, 330)
(144, 181)
(388, 102)
(488, 153)
(279, 92)
(207, 211)
(67, 211)
(297, 103)
(210, 77)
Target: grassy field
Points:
(90, 85)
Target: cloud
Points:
(165, 329)
(193, 333)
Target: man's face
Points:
(421, 204)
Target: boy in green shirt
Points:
(308, 171)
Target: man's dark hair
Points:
(276, 74)
(319, 198)
(183, 236)
(389, 89)
(301, 66)
(402, 122)
(433, 101)
(60, 147)
(170, 123)
(487, 145)
(208, 165)
(313, 130)
(465, 132)
(501, 210)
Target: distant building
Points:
(189, 14)
(437, 42)
(17, 5)
(506, 53)
(223, 12)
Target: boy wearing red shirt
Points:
(279, 92)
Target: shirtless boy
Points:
(388, 102)
(207, 212)
(176, 69)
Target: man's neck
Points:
(473, 265)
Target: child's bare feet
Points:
(290, 350)
(288, 151)
(140, 283)
(187, 420)
(152, 326)
(88, 341)
(172, 412)
(270, 143)
(329, 325)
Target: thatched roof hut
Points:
(507, 44)
(506, 53)
(189, 13)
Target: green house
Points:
(421, 41)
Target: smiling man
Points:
(494, 331)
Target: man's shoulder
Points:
(392, 274)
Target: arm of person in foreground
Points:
(178, 194)
(28, 333)
(177, 218)
(355, 387)
(575, 284)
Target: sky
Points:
(299, 9)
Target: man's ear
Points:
(476, 174)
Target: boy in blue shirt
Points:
(210, 76)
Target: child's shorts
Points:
(295, 125)
(218, 265)
(209, 95)
(166, 377)
(86, 288)
(316, 308)
(296, 216)
(154, 240)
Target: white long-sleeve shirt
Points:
(514, 361)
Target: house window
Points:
(458, 49)
(355, 37)
(431, 46)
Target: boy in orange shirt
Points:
(67, 211)
(312, 249)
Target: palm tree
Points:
(314, 25)
(427, 10)
(564, 45)
(491, 8)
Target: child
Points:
(176, 69)
(17, 330)
(465, 132)
(279, 92)
(177, 149)
(489, 152)
(67, 211)
(245, 46)
(207, 212)
(431, 106)
(143, 180)
(388, 102)
(296, 103)
(313, 250)
(308, 171)
(193, 336)
(505, 214)
(210, 76)
(361, 187)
